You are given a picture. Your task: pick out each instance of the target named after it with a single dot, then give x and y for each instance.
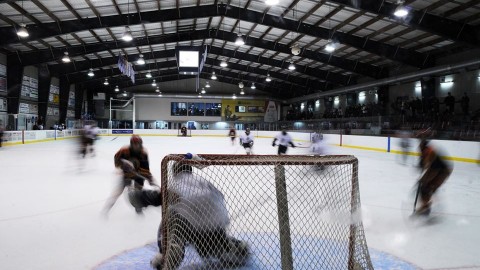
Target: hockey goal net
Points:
(293, 212)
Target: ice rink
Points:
(51, 205)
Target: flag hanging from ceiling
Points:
(125, 67)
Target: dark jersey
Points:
(140, 161)
(232, 133)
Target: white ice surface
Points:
(51, 205)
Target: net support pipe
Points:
(123, 106)
(133, 112)
(283, 218)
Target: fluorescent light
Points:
(239, 41)
(253, 86)
(22, 31)
(66, 58)
(214, 77)
(90, 73)
(223, 63)
(127, 35)
(291, 66)
(106, 82)
(149, 75)
(140, 60)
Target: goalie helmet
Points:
(135, 139)
(247, 131)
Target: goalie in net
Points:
(198, 216)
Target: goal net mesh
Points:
(262, 212)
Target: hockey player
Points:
(183, 131)
(197, 215)
(246, 140)
(89, 135)
(436, 171)
(318, 147)
(284, 140)
(137, 155)
(232, 134)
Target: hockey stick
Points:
(300, 145)
(416, 197)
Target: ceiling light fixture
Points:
(154, 83)
(253, 86)
(140, 60)
(117, 89)
(157, 90)
(203, 91)
(124, 93)
(242, 93)
(223, 63)
(149, 75)
(268, 79)
(127, 35)
(66, 58)
(234, 96)
(90, 73)
(160, 94)
(401, 11)
(207, 85)
(239, 41)
(199, 95)
(271, 2)
(214, 77)
(22, 31)
(240, 85)
(291, 66)
(106, 82)
(330, 47)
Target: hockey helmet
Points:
(135, 139)
(247, 131)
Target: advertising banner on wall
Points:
(71, 98)
(29, 87)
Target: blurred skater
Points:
(435, 172)
(246, 140)
(284, 140)
(404, 137)
(133, 161)
(232, 134)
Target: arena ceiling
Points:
(369, 41)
